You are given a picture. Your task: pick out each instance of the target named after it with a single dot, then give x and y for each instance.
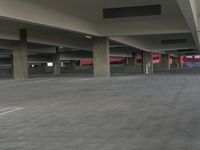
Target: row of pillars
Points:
(101, 58)
(20, 57)
(148, 67)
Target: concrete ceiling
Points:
(65, 23)
(170, 21)
(154, 42)
(86, 16)
(93, 9)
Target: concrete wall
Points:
(137, 68)
(40, 70)
(157, 67)
(6, 72)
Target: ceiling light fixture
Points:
(88, 37)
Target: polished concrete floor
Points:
(156, 112)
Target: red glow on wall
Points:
(112, 61)
(139, 59)
(157, 58)
(86, 62)
(183, 60)
(193, 59)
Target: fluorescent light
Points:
(88, 37)
(50, 64)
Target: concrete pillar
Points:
(101, 57)
(12, 64)
(20, 57)
(43, 68)
(56, 63)
(133, 66)
(181, 65)
(165, 63)
(147, 60)
(175, 62)
(72, 65)
(132, 61)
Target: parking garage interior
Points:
(99, 75)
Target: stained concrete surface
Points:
(156, 112)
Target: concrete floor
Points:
(158, 112)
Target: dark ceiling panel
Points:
(136, 11)
(174, 41)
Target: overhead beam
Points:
(149, 27)
(176, 47)
(60, 40)
(41, 15)
(189, 9)
(130, 42)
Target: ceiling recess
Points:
(174, 41)
(136, 11)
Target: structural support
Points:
(147, 63)
(43, 67)
(190, 11)
(20, 58)
(101, 57)
(132, 61)
(57, 63)
(72, 65)
(175, 63)
(133, 66)
(181, 64)
(165, 63)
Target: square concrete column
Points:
(181, 65)
(72, 65)
(20, 58)
(147, 59)
(43, 68)
(133, 66)
(132, 61)
(101, 57)
(165, 64)
(175, 63)
(57, 63)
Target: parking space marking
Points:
(27, 83)
(8, 110)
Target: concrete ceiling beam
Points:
(190, 11)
